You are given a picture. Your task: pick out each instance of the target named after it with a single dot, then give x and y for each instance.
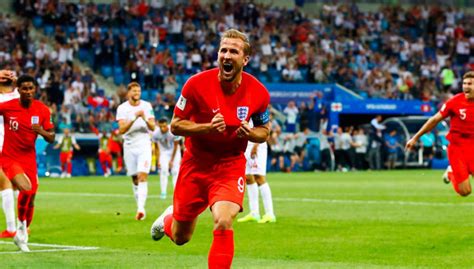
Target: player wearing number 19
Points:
(213, 112)
(460, 109)
(25, 119)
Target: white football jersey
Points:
(165, 140)
(138, 134)
(5, 97)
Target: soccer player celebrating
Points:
(26, 118)
(7, 93)
(67, 143)
(255, 171)
(169, 154)
(213, 113)
(460, 109)
(136, 119)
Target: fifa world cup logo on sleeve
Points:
(34, 120)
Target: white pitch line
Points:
(56, 248)
(385, 202)
(286, 199)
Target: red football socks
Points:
(168, 221)
(222, 250)
(26, 207)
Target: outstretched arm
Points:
(428, 126)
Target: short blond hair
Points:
(469, 74)
(233, 33)
(132, 84)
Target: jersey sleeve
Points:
(149, 113)
(447, 108)
(185, 104)
(4, 106)
(73, 140)
(47, 121)
(120, 114)
(154, 135)
(262, 114)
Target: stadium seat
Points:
(71, 30)
(126, 31)
(37, 22)
(83, 54)
(106, 71)
(118, 69)
(48, 30)
(119, 79)
(116, 31)
(275, 74)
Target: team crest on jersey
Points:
(34, 119)
(242, 112)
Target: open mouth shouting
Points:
(227, 70)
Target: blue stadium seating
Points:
(48, 30)
(37, 22)
(106, 71)
(119, 78)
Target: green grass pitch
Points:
(388, 219)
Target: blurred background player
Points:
(115, 147)
(27, 118)
(136, 120)
(105, 158)
(168, 151)
(255, 172)
(7, 93)
(460, 108)
(67, 143)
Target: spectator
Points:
(291, 112)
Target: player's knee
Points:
(142, 177)
(24, 185)
(249, 179)
(260, 180)
(223, 223)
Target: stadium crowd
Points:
(396, 53)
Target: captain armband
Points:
(261, 118)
